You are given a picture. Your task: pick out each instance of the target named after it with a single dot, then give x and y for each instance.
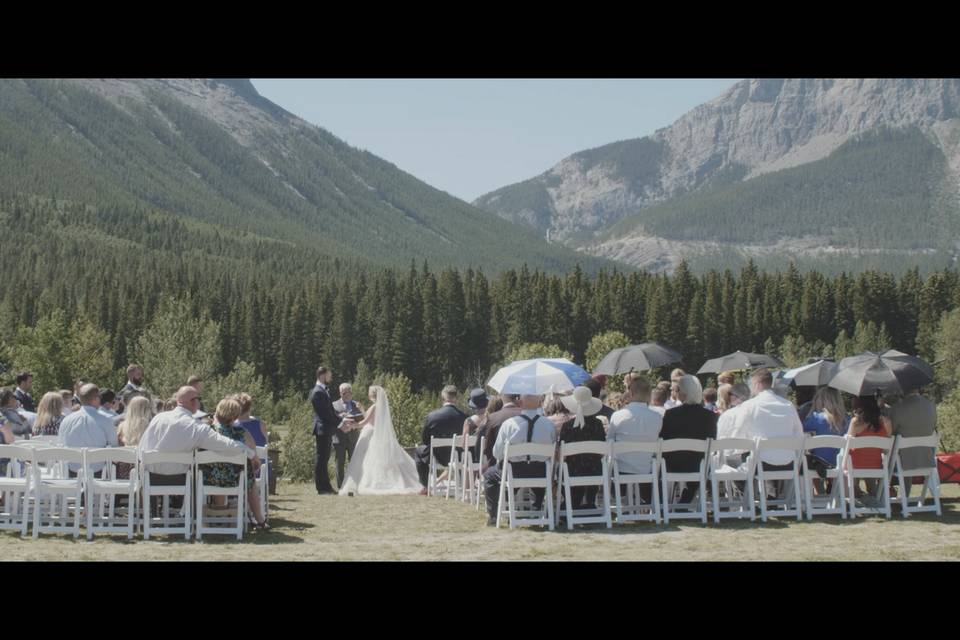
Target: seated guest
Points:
(88, 427)
(556, 412)
(868, 421)
(735, 395)
(75, 401)
(254, 425)
(9, 407)
(479, 401)
(689, 420)
(636, 422)
(710, 399)
(583, 425)
(804, 401)
(616, 402)
(674, 400)
(24, 386)
(108, 402)
(67, 396)
(913, 417)
(726, 377)
(444, 422)
(827, 417)
(596, 387)
(134, 424)
(49, 415)
(222, 474)
(6, 431)
(658, 397)
(171, 403)
(510, 409)
(526, 426)
(723, 397)
(177, 431)
(767, 415)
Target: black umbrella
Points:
(636, 357)
(739, 360)
(815, 374)
(891, 372)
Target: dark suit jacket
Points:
(444, 422)
(26, 400)
(325, 419)
(687, 421)
(492, 428)
(339, 437)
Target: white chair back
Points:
(854, 474)
(567, 481)
(166, 523)
(15, 485)
(47, 492)
(834, 501)
(103, 512)
(210, 523)
(727, 466)
(434, 465)
(518, 452)
(929, 474)
(669, 478)
(263, 480)
(632, 509)
(793, 493)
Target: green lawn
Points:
(310, 527)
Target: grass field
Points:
(311, 527)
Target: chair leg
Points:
(90, 496)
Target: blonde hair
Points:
(228, 410)
(829, 401)
(246, 401)
(723, 397)
(136, 418)
(49, 410)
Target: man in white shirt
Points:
(658, 396)
(87, 427)
(636, 422)
(767, 415)
(529, 426)
(177, 431)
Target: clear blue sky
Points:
(468, 137)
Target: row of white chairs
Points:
(732, 486)
(54, 488)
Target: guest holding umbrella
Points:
(868, 421)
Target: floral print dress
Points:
(223, 474)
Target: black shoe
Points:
(491, 522)
(326, 492)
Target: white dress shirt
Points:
(671, 403)
(177, 431)
(87, 427)
(635, 422)
(661, 410)
(767, 415)
(514, 431)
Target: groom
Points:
(325, 425)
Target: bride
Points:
(379, 465)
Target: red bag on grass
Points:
(948, 465)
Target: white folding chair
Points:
(510, 484)
(15, 486)
(165, 524)
(435, 466)
(472, 485)
(929, 473)
(668, 479)
(263, 479)
(597, 515)
(835, 501)
(455, 468)
(882, 475)
(634, 510)
(64, 490)
(103, 513)
(221, 524)
(792, 493)
(720, 470)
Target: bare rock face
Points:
(757, 126)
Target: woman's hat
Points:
(478, 399)
(582, 403)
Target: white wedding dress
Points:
(379, 465)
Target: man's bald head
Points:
(185, 396)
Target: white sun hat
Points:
(582, 403)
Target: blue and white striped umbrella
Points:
(538, 376)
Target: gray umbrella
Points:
(815, 374)
(637, 357)
(739, 360)
(891, 372)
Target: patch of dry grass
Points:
(311, 527)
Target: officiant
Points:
(345, 439)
